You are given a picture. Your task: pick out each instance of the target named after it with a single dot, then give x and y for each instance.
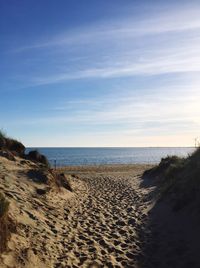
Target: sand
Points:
(103, 227)
(111, 219)
(98, 225)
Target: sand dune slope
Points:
(98, 225)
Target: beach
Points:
(100, 134)
(110, 216)
(96, 225)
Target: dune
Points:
(173, 222)
(38, 211)
(95, 225)
(138, 216)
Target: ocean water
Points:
(100, 156)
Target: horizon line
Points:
(104, 147)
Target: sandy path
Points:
(99, 224)
(102, 228)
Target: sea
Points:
(101, 156)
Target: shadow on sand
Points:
(170, 238)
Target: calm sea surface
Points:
(99, 156)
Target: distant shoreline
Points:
(109, 156)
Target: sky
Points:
(103, 73)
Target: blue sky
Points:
(100, 73)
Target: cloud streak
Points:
(179, 20)
(129, 113)
(153, 66)
(167, 43)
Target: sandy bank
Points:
(110, 220)
(97, 224)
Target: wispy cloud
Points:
(153, 66)
(179, 20)
(166, 43)
(157, 112)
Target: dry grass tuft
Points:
(179, 177)
(4, 223)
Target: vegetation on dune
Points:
(4, 205)
(4, 223)
(15, 146)
(10, 147)
(179, 177)
(40, 173)
(2, 139)
(165, 167)
(37, 157)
